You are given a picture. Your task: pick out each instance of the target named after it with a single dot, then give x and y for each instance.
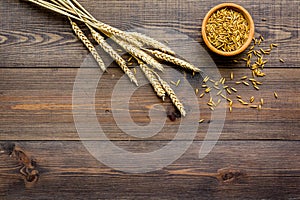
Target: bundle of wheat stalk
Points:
(144, 49)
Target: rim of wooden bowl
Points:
(246, 15)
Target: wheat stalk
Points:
(172, 96)
(174, 60)
(152, 42)
(108, 49)
(175, 100)
(88, 44)
(138, 53)
(113, 32)
(153, 80)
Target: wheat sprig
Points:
(152, 42)
(153, 80)
(138, 53)
(174, 60)
(88, 44)
(175, 100)
(113, 32)
(173, 97)
(132, 42)
(108, 49)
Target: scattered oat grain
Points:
(201, 121)
(246, 83)
(233, 89)
(220, 92)
(223, 96)
(256, 87)
(207, 90)
(244, 78)
(231, 76)
(259, 107)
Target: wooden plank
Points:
(256, 157)
(234, 169)
(39, 38)
(37, 104)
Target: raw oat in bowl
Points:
(228, 29)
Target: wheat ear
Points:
(153, 80)
(172, 95)
(174, 60)
(88, 44)
(152, 42)
(138, 53)
(111, 31)
(108, 49)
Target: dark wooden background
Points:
(257, 156)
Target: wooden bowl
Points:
(237, 8)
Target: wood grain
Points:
(37, 104)
(63, 165)
(256, 157)
(39, 37)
